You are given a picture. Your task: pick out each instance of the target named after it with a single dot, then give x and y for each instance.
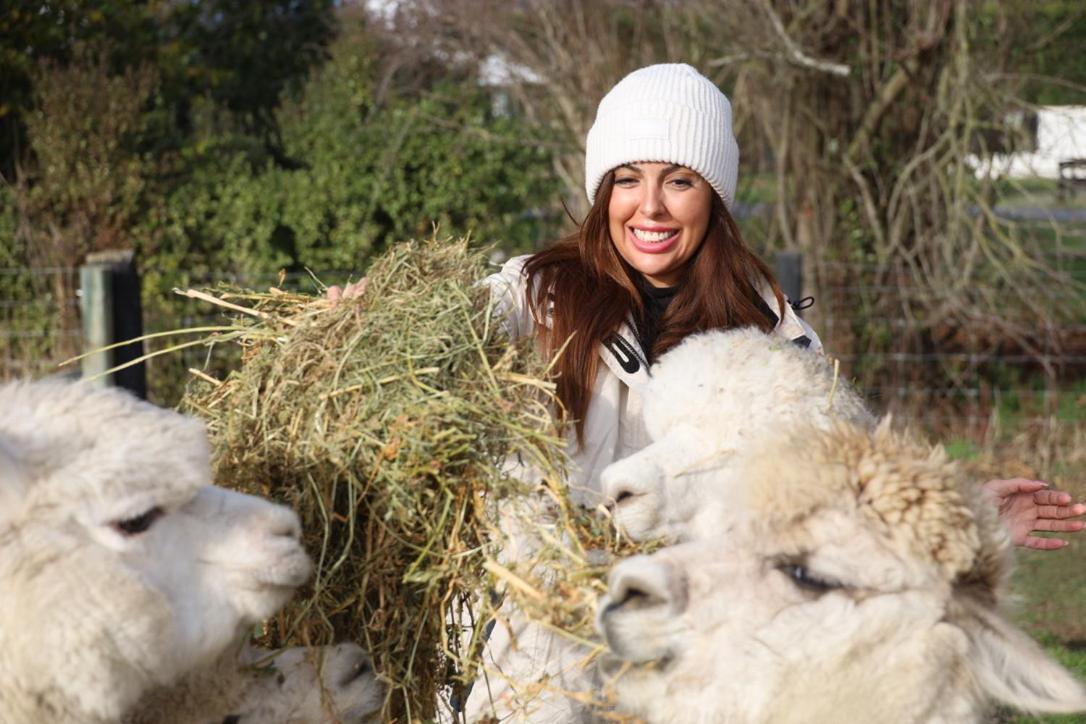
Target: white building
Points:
(1061, 136)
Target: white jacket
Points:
(613, 426)
(519, 653)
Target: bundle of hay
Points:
(385, 422)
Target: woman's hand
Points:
(1026, 506)
(355, 289)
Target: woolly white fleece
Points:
(123, 570)
(709, 401)
(852, 577)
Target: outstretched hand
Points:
(1026, 506)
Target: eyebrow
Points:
(668, 169)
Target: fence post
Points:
(112, 313)
(789, 269)
(97, 303)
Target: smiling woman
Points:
(658, 216)
(657, 258)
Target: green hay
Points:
(384, 422)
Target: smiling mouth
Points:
(653, 237)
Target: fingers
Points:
(1060, 508)
(1002, 488)
(1058, 526)
(1051, 497)
(335, 294)
(355, 289)
(1044, 544)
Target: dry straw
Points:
(387, 422)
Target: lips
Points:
(654, 241)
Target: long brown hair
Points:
(583, 291)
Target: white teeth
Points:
(652, 236)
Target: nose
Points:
(652, 201)
(282, 522)
(620, 492)
(627, 479)
(643, 583)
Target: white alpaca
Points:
(851, 580)
(124, 572)
(709, 401)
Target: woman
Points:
(658, 257)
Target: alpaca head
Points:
(850, 580)
(710, 400)
(659, 490)
(734, 380)
(122, 567)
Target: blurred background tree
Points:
(245, 138)
(240, 139)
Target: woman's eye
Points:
(682, 183)
(625, 181)
(806, 580)
(139, 524)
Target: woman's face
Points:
(658, 216)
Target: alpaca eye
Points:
(139, 524)
(806, 580)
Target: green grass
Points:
(1048, 587)
(1039, 193)
(962, 449)
(1052, 608)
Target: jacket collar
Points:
(622, 353)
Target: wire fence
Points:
(39, 320)
(969, 381)
(972, 374)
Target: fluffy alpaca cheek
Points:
(102, 638)
(699, 686)
(249, 551)
(205, 614)
(828, 634)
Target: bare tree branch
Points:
(795, 54)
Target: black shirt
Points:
(656, 300)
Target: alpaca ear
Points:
(1013, 669)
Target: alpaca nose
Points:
(644, 582)
(622, 483)
(283, 522)
(620, 494)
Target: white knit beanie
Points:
(667, 113)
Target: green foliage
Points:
(244, 56)
(1052, 58)
(35, 332)
(87, 183)
(362, 174)
(241, 56)
(211, 162)
(51, 31)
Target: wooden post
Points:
(112, 313)
(789, 269)
(97, 303)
